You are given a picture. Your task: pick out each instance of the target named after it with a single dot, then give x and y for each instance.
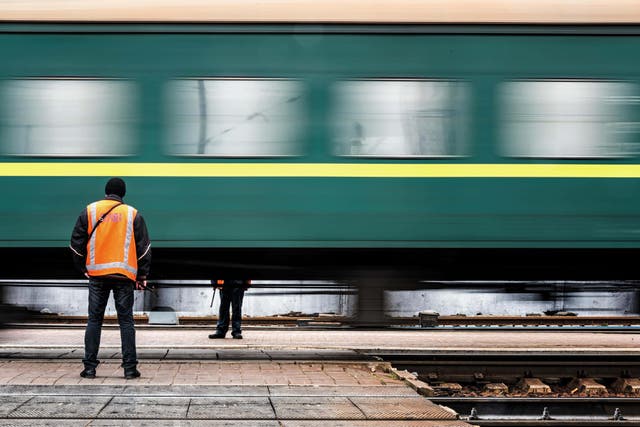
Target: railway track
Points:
(499, 411)
(523, 373)
(529, 389)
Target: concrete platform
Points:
(271, 378)
(44, 407)
(198, 373)
(188, 393)
(190, 380)
(260, 344)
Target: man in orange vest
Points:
(111, 247)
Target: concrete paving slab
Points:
(196, 391)
(184, 423)
(9, 403)
(136, 423)
(61, 390)
(146, 407)
(319, 407)
(346, 391)
(258, 408)
(60, 407)
(372, 423)
(404, 408)
(44, 423)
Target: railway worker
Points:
(102, 231)
(231, 294)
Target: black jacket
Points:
(231, 283)
(80, 236)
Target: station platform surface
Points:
(264, 380)
(271, 394)
(273, 377)
(167, 340)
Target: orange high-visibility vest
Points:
(112, 247)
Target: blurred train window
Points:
(400, 118)
(66, 117)
(236, 117)
(569, 119)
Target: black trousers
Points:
(230, 296)
(98, 297)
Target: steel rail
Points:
(619, 324)
(511, 411)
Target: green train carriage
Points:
(321, 143)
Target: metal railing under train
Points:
(317, 287)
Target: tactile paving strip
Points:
(137, 423)
(378, 423)
(44, 423)
(182, 423)
(229, 408)
(404, 408)
(146, 407)
(60, 407)
(326, 408)
(10, 403)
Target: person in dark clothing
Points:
(231, 294)
(111, 247)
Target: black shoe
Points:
(237, 336)
(88, 373)
(216, 336)
(130, 374)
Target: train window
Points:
(400, 118)
(569, 119)
(66, 118)
(235, 117)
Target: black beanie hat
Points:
(115, 186)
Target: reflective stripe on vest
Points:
(111, 248)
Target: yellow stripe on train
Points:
(320, 170)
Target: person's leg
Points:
(223, 315)
(123, 296)
(236, 307)
(98, 297)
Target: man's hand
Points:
(86, 275)
(141, 285)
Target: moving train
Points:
(302, 139)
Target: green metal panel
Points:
(329, 212)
